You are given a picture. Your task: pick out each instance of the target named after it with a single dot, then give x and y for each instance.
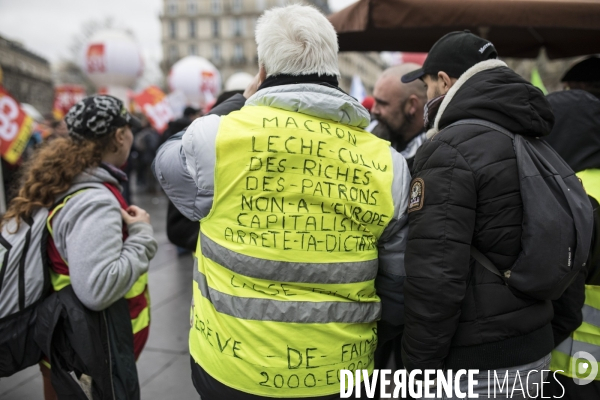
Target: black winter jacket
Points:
(181, 231)
(576, 138)
(458, 314)
(576, 133)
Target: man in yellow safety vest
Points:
(302, 225)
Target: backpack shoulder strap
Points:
(475, 253)
(487, 263)
(482, 122)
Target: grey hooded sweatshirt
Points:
(88, 236)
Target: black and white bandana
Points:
(96, 116)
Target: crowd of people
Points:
(454, 226)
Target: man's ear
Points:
(262, 74)
(446, 82)
(412, 105)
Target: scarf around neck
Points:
(284, 79)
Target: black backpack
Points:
(557, 221)
(24, 283)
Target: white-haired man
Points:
(302, 217)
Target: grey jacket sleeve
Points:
(184, 167)
(389, 282)
(88, 235)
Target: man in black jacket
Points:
(181, 231)
(575, 137)
(585, 75)
(465, 191)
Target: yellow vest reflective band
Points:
(59, 281)
(284, 294)
(586, 338)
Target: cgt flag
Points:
(65, 97)
(153, 103)
(16, 128)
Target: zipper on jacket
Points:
(112, 385)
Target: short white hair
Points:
(296, 40)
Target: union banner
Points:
(16, 128)
(153, 103)
(65, 97)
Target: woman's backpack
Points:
(24, 283)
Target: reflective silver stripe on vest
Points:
(591, 315)
(287, 311)
(282, 271)
(570, 347)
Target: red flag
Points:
(153, 103)
(65, 97)
(16, 128)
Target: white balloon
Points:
(197, 78)
(112, 58)
(238, 81)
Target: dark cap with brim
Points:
(454, 54)
(413, 76)
(134, 124)
(587, 70)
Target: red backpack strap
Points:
(122, 202)
(117, 193)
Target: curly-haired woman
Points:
(97, 244)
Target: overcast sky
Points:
(47, 27)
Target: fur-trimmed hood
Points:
(493, 92)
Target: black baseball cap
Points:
(454, 53)
(587, 70)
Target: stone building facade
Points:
(26, 75)
(222, 31)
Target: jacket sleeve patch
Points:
(417, 195)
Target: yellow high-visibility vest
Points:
(284, 292)
(567, 357)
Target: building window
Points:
(216, 50)
(192, 7)
(215, 6)
(237, 6)
(172, 8)
(173, 52)
(193, 50)
(192, 28)
(238, 27)
(238, 52)
(261, 5)
(173, 29)
(215, 28)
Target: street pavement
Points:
(164, 366)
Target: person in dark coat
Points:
(584, 75)
(176, 126)
(465, 191)
(576, 138)
(181, 231)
